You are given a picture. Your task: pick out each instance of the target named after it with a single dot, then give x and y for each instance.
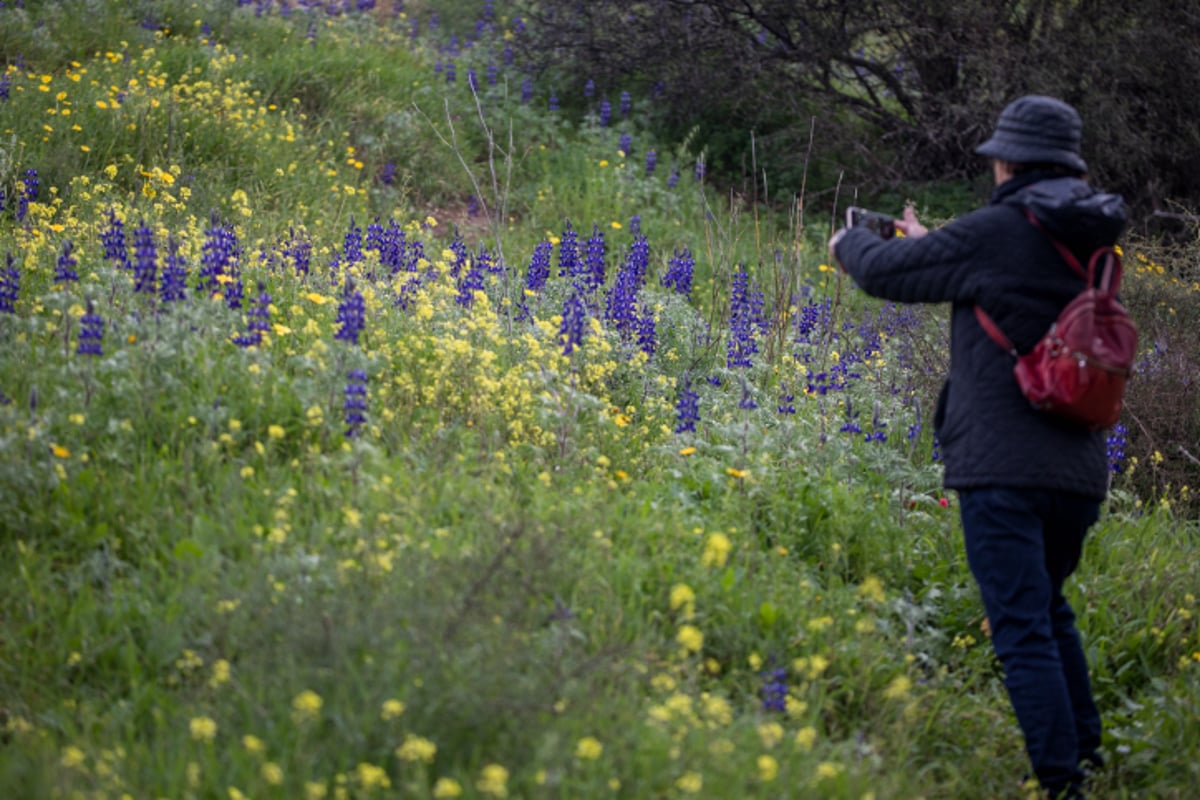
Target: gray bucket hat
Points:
(1037, 130)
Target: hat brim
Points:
(1018, 154)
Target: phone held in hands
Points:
(880, 224)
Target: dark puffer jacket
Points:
(994, 257)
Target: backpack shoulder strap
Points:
(993, 330)
(1062, 249)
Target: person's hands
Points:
(909, 226)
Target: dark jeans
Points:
(1022, 544)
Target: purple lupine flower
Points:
(407, 292)
(647, 334)
(589, 88)
(300, 251)
(113, 240)
(700, 169)
(574, 316)
(605, 112)
(173, 285)
(352, 246)
(877, 434)
(812, 321)
(539, 267)
(626, 104)
(651, 162)
(493, 74)
(388, 175)
(5, 83)
(395, 245)
(625, 144)
(593, 267)
(235, 292)
(635, 225)
(10, 284)
(374, 240)
(673, 178)
(687, 407)
(451, 72)
(473, 206)
(472, 282)
(1116, 449)
(518, 25)
(258, 320)
(472, 80)
(91, 332)
(787, 400)
(487, 264)
(218, 258)
(742, 344)
(620, 306)
(29, 193)
(145, 270)
(553, 100)
(527, 91)
(774, 690)
(462, 256)
(416, 254)
(680, 270)
(64, 270)
(355, 402)
(936, 455)
(568, 252)
(351, 315)
(638, 259)
(507, 55)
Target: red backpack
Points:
(1079, 368)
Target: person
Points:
(1029, 485)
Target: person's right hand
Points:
(909, 226)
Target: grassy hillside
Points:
(368, 433)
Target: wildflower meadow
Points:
(381, 419)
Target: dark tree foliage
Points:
(902, 90)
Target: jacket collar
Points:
(1017, 183)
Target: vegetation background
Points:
(452, 399)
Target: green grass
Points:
(208, 590)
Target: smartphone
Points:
(880, 224)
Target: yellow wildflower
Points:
(768, 768)
(589, 748)
(272, 773)
(691, 638)
(806, 737)
(391, 709)
(447, 787)
(690, 782)
(72, 757)
(416, 748)
(202, 729)
(770, 733)
(307, 705)
(716, 550)
(898, 688)
(493, 780)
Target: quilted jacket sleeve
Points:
(935, 268)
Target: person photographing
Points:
(1030, 483)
